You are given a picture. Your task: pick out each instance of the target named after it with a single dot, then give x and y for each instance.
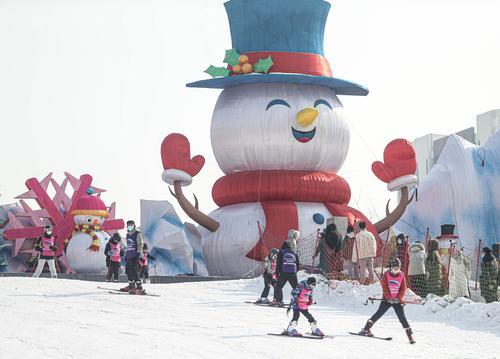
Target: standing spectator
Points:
(459, 275)
(329, 249)
(366, 244)
(287, 266)
(434, 269)
(293, 237)
(347, 249)
(401, 249)
(489, 276)
(416, 269)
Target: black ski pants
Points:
(283, 279)
(113, 269)
(305, 312)
(144, 272)
(267, 284)
(132, 270)
(398, 308)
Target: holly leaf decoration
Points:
(217, 71)
(263, 65)
(231, 57)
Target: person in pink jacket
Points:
(300, 302)
(46, 245)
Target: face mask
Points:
(49, 233)
(130, 228)
(395, 270)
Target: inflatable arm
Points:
(398, 171)
(179, 170)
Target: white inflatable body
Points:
(225, 250)
(80, 258)
(254, 127)
(83, 260)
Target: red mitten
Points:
(177, 161)
(400, 165)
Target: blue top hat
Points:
(292, 32)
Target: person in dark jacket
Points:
(488, 279)
(269, 275)
(329, 249)
(113, 253)
(287, 266)
(133, 254)
(434, 270)
(46, 245)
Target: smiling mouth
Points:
(302, 136)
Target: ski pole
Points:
(372, 299)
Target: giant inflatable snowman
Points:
(279, 135)
(85, 250)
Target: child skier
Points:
(269, 275)
(47, 247)
(300, 301)
(113, 252)
(143, 264)
(394, 288)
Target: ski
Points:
(113, 289)
(303, 336)
(374, 337)
(138, 295)
(267, 304)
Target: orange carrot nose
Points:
(95, 221)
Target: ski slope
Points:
(44, 318)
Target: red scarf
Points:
(278, 191)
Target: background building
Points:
(429, 147)
(487, 123)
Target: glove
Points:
(177, 161)
(54, 248)
(396, 301)
(399, 165)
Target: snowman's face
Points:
(279, 127)
(92, 220)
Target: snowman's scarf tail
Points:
(280, 217)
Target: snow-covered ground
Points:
(44, 318)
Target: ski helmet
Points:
(311, 281)
(395, 262)
(275, 251)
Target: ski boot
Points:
(292, 329)
(409, 333)
(108, 280)
(263, 301)
(138, 290)
(315, 330)
(366, 330)
(127, 288)
(278, 303)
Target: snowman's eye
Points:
(322, 102)
(277, 101)
(89, 220)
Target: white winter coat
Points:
(366, 244)
(459, 275)
(417, 259)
